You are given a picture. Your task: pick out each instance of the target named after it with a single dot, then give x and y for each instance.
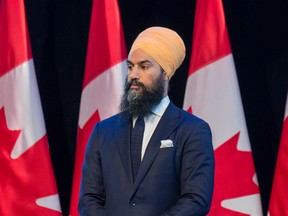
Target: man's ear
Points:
(165, 75)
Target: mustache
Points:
(134, 82)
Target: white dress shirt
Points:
(151, 121)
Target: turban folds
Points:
(164, 45)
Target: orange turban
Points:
(164, 45)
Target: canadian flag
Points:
(104, 79)
(212, 93)
(279, 198)
(27, 183)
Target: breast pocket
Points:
(166, 155)
(167, 150)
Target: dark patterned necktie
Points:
(136, 145)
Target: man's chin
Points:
(135, 92)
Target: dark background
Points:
(258, 33)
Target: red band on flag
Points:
(279, 199)
(14, 38)
(210, 39)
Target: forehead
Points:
(139, 56)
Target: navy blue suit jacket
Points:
(171, 181)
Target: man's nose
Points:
(135, 73)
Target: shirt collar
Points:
(160, 108)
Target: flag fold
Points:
(104, 78)
(279, 199)
(212, 93)
(27, 183)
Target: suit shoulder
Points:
(112, 119)
(187, 119)
(190, 117)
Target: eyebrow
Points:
(141, 62)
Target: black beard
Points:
(140, 104)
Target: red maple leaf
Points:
(189, 110)
(84, 133)
(25, 179)
(234, 173)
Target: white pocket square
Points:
(166, 143)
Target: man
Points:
(173, 173)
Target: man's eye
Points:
(130, 67)
(144, 67)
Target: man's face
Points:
(146, 84)
(144, 69)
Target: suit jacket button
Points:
(132, 203)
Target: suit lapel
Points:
(122, 130)
(169, 121)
